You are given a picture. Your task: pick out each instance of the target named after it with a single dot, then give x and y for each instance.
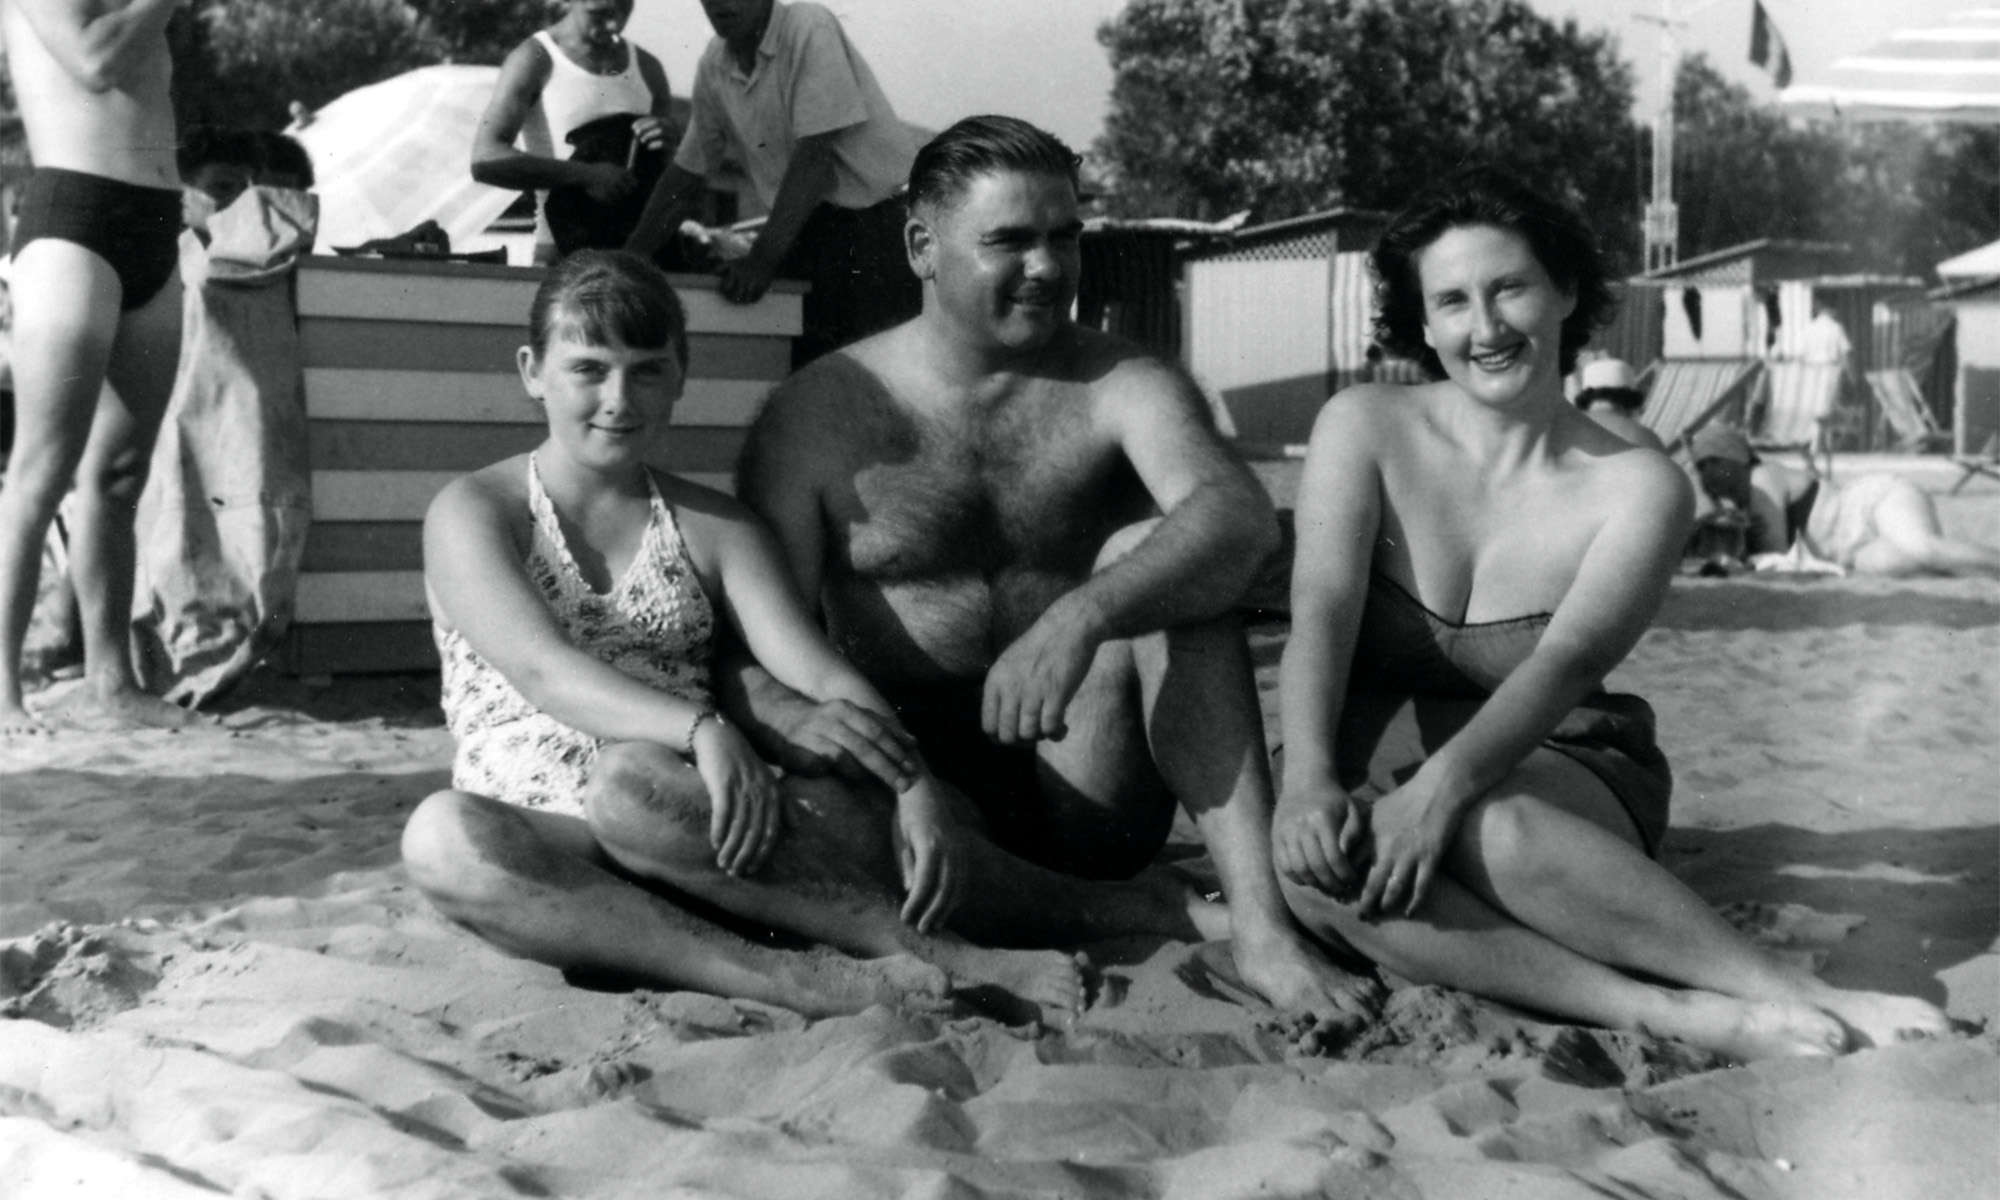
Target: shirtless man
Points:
(96, 249)
(1028, 535)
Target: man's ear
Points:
(920, 244)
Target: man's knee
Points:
(643, 799)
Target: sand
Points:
(222, 982)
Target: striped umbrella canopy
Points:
(394, 154)
(1948, 72)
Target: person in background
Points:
(218, 163)
(1463, 801)
(578, 71)
(783, 93)
(97, 247)
(282, 162)
(1611, 397)
(1875, 523)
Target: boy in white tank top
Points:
(576, 71)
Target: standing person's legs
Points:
(144, 359)
(63, 343)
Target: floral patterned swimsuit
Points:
(655, 624)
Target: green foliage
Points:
(1902, 197)
(244, 62)
(1286, 107)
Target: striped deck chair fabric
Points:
(1802, 397)
(1687, 393)
(1902, 404)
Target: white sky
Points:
(1039, 59)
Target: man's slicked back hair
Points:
(976, 146)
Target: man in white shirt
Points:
(782, 94)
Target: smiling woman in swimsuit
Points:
(1462, 801)
(576, 593)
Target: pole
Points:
(1662, 223)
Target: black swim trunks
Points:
(135, 229)
(1000, 780)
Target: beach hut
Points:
(1131, 277)
(1975, 426)
(1278, 318)
(1748, 309)
(410, 380)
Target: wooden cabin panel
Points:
(448, 446)
(482, 397)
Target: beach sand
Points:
(222, 982)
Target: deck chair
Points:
(1971, 466)
(1902, 406)
(1687, 393)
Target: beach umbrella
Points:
(394, 154)
(1948, 72)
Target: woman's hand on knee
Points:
(746, 811)
(1317, 835)
(1409, 834)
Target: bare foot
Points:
(833, 985)
(1748, 1030)
(16, 721)
(1880, 1019)
(1295, 979)
(1050, 980)
(136, 708)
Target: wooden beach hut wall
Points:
(410, 380)
(1975, 427)
(1751, 304)
(1131, 278)
(1279, 318)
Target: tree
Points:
(1901, 197)
(1286, 107)
(244, 62)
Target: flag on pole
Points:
(1767, 46)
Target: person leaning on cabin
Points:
(1463, 801)
(783, 93)
(569, 77)
(1611, 397)
(1872, 524)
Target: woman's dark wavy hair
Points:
(609, 296)
(1556, 232)
(976, 146)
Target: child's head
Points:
(218, 161)
(282, 162)
(608, 296)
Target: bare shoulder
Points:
(834, 406)
(491, 494)
(1373, 413)
(1631, 478)
(1123, 376)
(698, 504)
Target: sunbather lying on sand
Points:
(1872, 524)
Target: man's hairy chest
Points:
(1033, 492)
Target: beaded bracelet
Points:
(706, 714)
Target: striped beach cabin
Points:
(1279, 318)
(410, 380)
